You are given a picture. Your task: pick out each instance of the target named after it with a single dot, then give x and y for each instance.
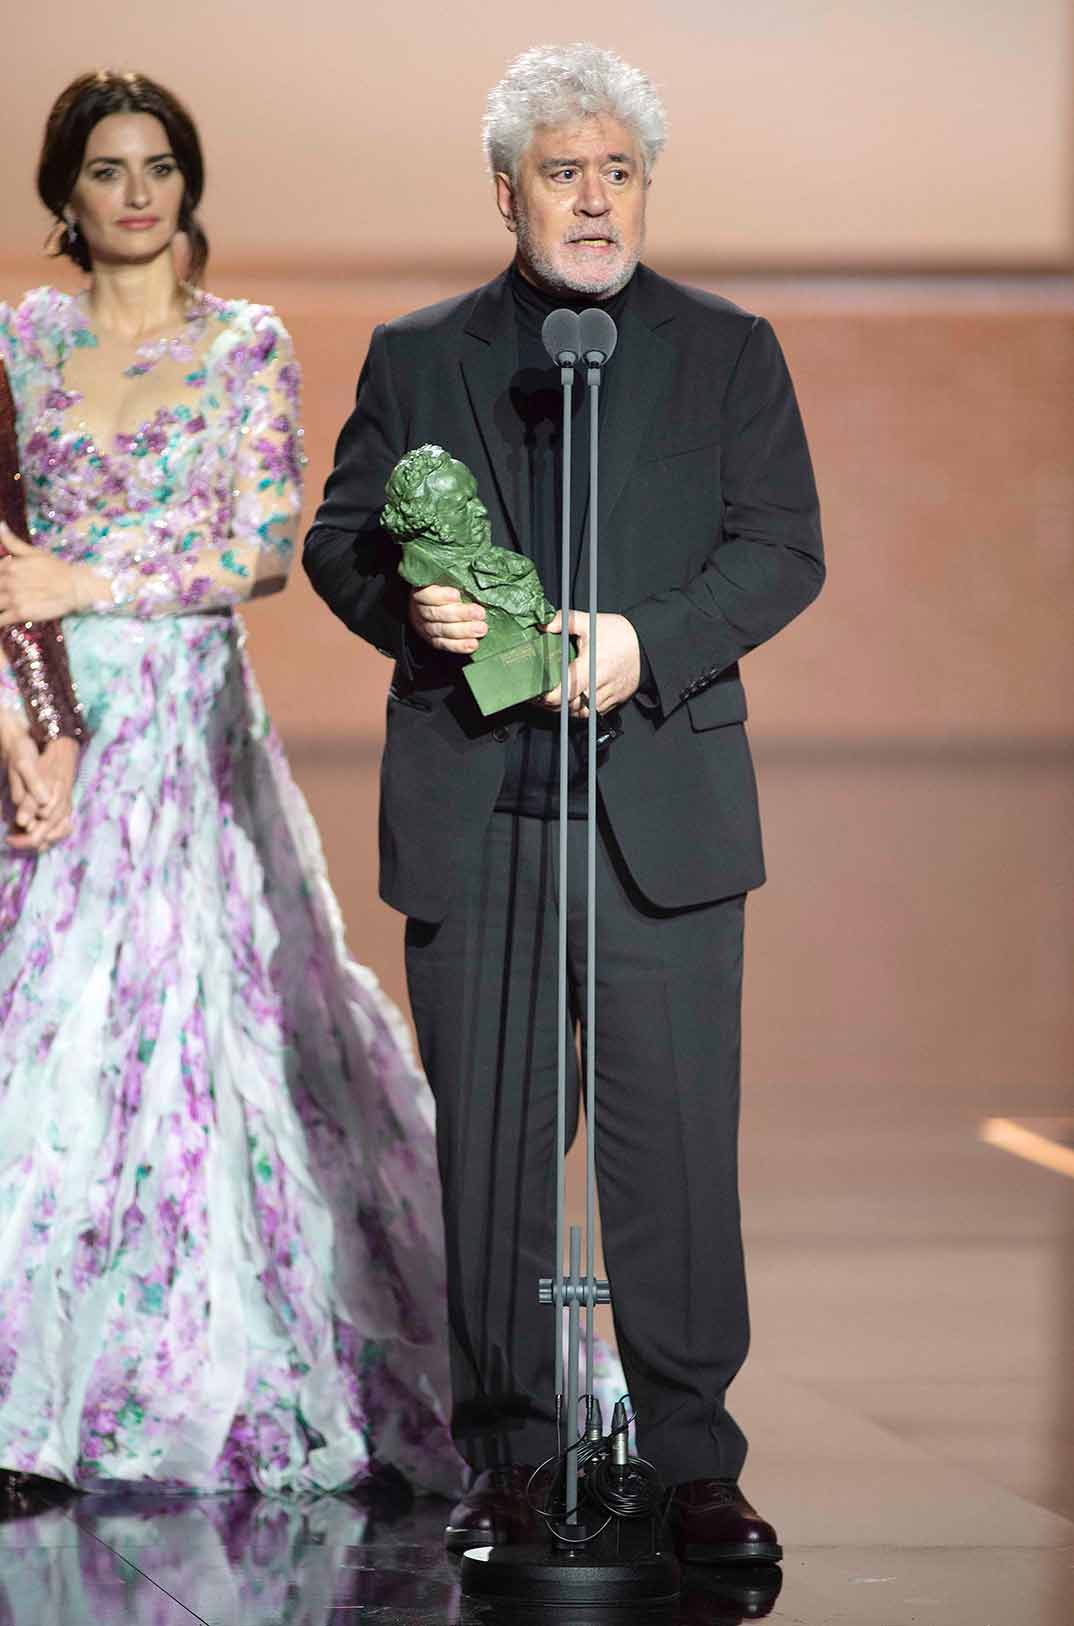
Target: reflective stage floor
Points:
(243, 1561)
(909, 1216)
(908, 1403)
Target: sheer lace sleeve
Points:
(169, 567)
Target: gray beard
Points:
(556, 280)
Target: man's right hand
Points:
(439, 615)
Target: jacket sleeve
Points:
(351, 561)
(767, 562)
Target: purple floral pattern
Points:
(220, 1251)
(158, 512)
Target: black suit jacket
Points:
(710, 543)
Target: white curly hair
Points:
(554, 84)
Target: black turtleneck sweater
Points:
(534, 428)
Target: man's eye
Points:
(565, 174)
(619, 175)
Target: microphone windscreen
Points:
(598, 335)
(560, 335)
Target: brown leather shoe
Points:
(494, 1512)
(712, 1523)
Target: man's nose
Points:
(592, 196)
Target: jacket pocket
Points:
(720, 703)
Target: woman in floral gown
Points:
(219, 1211)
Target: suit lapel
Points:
(489, 361)
(647, 358)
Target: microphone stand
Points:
(568, 359)
(598, 339)
(574, 1569)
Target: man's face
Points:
(578, 206)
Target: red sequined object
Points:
(34, 649)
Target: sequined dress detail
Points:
(34, 651)
(220, 1251)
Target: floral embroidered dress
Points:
(220, 1251)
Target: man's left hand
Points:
(618, 663)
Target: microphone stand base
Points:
(570, 1576)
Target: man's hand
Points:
(40, 784)
(35, 586)
(439, 615)
(618, 663)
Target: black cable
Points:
(587, 1449)
(569, 1541)
(623, 1428)
(629, 1492)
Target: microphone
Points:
(561, 337)
(598, 334)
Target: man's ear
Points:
(505, 200)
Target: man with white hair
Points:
(710, 544)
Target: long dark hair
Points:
(86, 101)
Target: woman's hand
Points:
(35, 586)
(40, 785)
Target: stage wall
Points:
(894, 189)
(802, 132)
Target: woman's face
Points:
(129, 190)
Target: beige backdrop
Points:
(803, 131)
(914, 729)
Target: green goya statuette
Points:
(434, 513)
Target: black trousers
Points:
(483, 991)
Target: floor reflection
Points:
(153, 1560)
